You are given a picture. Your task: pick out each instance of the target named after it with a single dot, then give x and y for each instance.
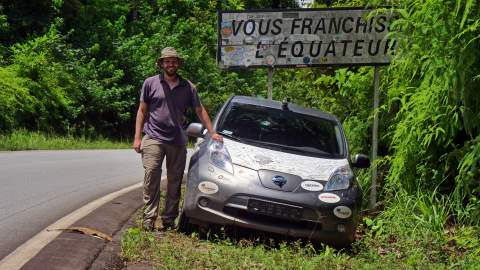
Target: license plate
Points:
(274, 209)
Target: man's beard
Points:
(170, 72)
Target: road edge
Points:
(24, 253)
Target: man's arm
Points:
(141, 113)
(203, 116)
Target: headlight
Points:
(219, 156)
(340, 179)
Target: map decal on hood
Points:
(257, 158)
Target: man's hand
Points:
(137, 143)
(217, 137)
(203, 116)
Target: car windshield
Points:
(282, 130)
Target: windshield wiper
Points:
(230, 136)
(302, 149)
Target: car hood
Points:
(259, 158)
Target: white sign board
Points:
(303, 38)
(305, 3)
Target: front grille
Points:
(238, 200)
(271, 220)
(273, 209)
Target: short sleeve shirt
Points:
(166, 120)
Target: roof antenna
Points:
(285, 104)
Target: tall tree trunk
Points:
(134, 10)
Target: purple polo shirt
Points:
(166, 121)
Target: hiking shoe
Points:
(168, 226)
(148, 226)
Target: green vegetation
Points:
(74, 68)
(24, 140)
(390, 244)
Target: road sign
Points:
(304, 37)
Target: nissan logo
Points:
(279, 180)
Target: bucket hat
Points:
(169, 52)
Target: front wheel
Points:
(345, 241)
(184, 224)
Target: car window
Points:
(282, 129)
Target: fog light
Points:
(341, 228)
(203, 201)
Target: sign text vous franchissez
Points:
(306, 37)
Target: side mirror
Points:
(195, 130)
(361, 161)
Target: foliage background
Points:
(74, 67)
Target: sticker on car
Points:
(342, 211)
(311, 185)
(208, 187)
(329, 198)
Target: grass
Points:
(398, 238)
(28, 140)
(173, 250)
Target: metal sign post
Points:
(376, 97)
(270, 83)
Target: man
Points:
(164, 100)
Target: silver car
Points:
(281, 168)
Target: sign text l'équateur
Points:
(305, 38)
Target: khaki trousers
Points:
(153, 154)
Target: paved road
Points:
(39, 187)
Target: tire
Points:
(344, 242)
(184, 224)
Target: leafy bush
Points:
(430, 88)
(15, 99)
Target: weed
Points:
(28, 140)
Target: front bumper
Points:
(241, 200)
